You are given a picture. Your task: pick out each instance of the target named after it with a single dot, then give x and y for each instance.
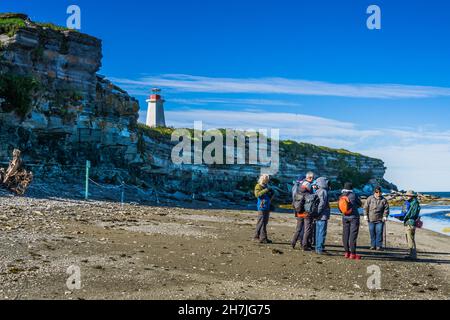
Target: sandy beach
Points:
(146, 252)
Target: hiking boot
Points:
(380, 249)
(355, 256)
(373, 248)
(293, 245)
(256, 239)
(306, 249)
(347, 255)
(266, 241)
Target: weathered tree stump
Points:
(16, 178)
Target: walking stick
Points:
(385, 235)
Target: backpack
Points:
(263, 203)
(298, 198)
(311, 205)
(345, 206)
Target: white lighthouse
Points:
(155, 112)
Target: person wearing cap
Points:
(376, 213)
(351, 223)
(411, 210)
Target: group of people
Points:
(310, 200)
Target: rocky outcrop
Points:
(221, 183)
(74, 114)
(60, 113)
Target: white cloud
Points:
(191, 83)
(423, 167)
(231, 101)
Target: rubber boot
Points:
(412, 255)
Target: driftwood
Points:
(15, 178)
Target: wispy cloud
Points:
(200, 84)
(232, 101)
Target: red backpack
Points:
(345, 206)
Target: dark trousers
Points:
(261, 226)
(376, 230)
(303, 232)
(350, 233)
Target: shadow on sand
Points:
(390, 254)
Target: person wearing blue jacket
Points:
(323, 185)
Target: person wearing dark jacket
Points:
(304, 222)
(376, 213)
(351, 223)
(324, 212)
(265, 197)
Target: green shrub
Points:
(17, 91)
(349, 174)
(295, 148)
(159, 133)
(51, 26)
(10, 26)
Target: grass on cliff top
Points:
(302, 147)
(289, 146)
(156, 133)
(52, 26)
(10, 23)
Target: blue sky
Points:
(310, 68)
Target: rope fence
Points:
(120, 189)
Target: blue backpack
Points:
(263, 203)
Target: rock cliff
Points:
(60, 113)
(54, 105)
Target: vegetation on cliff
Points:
(17, 92)
(10, 23)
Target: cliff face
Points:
(236, 182)
(73, 113)
(60, 113)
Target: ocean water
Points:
(435, 218)
(438, 194)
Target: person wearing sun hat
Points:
(411, 210)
